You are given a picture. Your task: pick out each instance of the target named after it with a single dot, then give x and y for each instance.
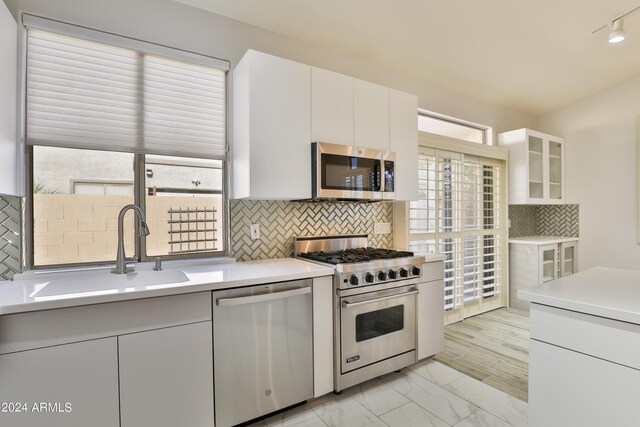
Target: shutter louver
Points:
(85, 94)
(458, 216)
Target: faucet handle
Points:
(158, 266)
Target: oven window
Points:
(380, 322)
(350, 173)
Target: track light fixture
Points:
(617, 33)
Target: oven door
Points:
(376, 326)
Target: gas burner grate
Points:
(355, 255)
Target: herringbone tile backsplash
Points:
(559, 220)
(544, 220)
(524, 220)
(281, 221)
(10, 230)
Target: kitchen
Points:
(598, 127)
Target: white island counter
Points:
(584, 356)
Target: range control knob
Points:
(403, 272)
(391, 274)
(415, 271)
(368, 278)
(353, 280)
(382, 276)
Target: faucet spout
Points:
(142, 229)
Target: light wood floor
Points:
(493, 348)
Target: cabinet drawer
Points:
(600, 337)
(25, 331)
(433, 271)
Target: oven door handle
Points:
(346, 304)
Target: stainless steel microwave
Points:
(345, 172)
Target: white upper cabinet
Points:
(9, 183)
(271, 128)
(331, 107)
(403, 140)
(536, 167)
(280, 107)
(371, 115)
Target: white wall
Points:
(177, 25)
(600, 134)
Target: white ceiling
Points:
(530, 55)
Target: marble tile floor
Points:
(426, 394)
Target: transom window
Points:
(454, 128)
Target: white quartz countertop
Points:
(48, 291)
(600, 291)
(541, 240)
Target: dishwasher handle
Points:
(225, 302)
(347, 304)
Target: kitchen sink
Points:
(111, 283)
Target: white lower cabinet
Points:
(431, 310)
(134, 363)
(166, 377)
(64, 385)
(322, 336)
(583, 369)
(567, 388)
(536, 260)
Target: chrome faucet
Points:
(142, 230)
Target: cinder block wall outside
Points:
(72, 228)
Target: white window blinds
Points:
(458, 215)
(86, 94)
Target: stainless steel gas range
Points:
(375, 302)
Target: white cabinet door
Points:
(271, 128)
(83, 375)
(430, 318)
(322, 336)
(568, 388)
(331, 107)
(555, 169)
(548, 257)
(166, 377)
(370, 115)
(568, 255)
(403, 139)
(536, 167)
(8, 89)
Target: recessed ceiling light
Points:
(617, 32)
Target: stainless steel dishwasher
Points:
(263, 349)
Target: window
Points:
(184, 205)
(461, 215)
(112, 121)
(453, 128)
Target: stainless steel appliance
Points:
(374, 306)
(263, 350)
(350, 173)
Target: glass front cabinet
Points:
(536, 167)
(537, 260)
